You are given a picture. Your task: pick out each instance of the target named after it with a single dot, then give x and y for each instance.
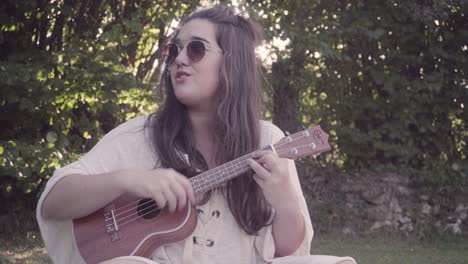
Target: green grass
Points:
(384, 250)
(379, 249)
(24, 248)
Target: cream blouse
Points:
(217, 237)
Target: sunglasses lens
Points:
(196, 50)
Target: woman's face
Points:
(195, 82)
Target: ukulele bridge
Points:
(112, 229)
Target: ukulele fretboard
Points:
(217, 176)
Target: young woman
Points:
(211, 115)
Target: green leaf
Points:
(51, 137)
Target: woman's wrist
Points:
(287, 202)
(291, 208)
(123, 179)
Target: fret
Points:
(195, 184)
(210, 183)
(208, 179)
(231, 172)
(199, 183)
(217, 181)
(218, 175)
(204, 181)
(236, 166)
(225, 172)
(222, 174)
(211, 173)
(207, 182)
(214, 172)
(240, 166)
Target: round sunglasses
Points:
(196, 50)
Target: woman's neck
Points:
(202, 125)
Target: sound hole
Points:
(147, 208)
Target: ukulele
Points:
(134, 226)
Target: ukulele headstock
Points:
(311, 141)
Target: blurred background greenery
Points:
(387, 79)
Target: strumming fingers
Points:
(180, 193)
(171, 199)
(185, 183)
(160, 200)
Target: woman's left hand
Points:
(272, 175)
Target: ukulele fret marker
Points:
(293, 151)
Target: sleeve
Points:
(264, 243)
(107, 155)
(58, 234)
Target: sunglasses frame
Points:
(168, 59)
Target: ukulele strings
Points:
(158, 208)
(149, 201)
(154, 207)
(138, 216)
(132, 208)
(148, 211)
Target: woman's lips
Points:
(182, 76)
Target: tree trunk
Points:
(285, 99)
(286, 92)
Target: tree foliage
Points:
(399, 97)
(387, 79)
(69, 72)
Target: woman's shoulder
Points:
(130, 130)
(126, 142)
(270, 132)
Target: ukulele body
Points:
(136, 230)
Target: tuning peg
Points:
(319, 157)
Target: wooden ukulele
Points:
(132, 226)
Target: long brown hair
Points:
(236, 120)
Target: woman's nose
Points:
(182, 58)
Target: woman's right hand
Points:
(166, 186)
